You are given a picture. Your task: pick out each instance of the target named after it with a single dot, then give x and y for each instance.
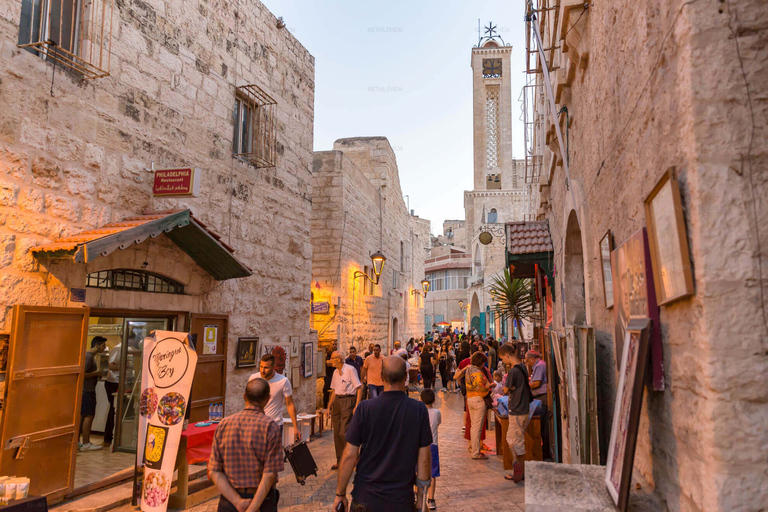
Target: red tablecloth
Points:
(199, 441)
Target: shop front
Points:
(120, 282)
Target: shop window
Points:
(254, 135)
(135, 280)
(73, 33)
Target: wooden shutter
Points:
(44, 387)
(210, 384)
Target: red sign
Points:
(177, 182)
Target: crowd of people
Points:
(387, 439)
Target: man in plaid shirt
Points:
(247, 455)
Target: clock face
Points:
(491, 68)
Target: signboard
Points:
(321, 308)
(211, 333)
(77, 295)
(177, 182)
(168, 368)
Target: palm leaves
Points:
(513, 297)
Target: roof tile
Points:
(528, 237)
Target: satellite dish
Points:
(485, 238)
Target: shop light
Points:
(378, 260)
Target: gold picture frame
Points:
(668, 242)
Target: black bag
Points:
(301, 460)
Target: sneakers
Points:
(90, 447)
(431, 505)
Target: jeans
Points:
(476, 406)
(109, 427)
(268, 505)
(374, 391)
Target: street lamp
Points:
(461, 304)
(424, 286)
(378, 260)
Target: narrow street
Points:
(464, 485)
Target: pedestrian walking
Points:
(427, 365)
(355, 361)
(280, 395)
(88, 404)
(346, 394)
(478, 387)
(516, 387)
(247, 455)
(372, 372)
(435, 418)
(328, 374)
(388, 438)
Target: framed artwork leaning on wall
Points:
(668, 241)
(606, 246)
(626, 413)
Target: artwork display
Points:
(626, 414)
(668, 242)
(211, 335)
(635, 297)
(307, 359)
(588, 390)
(320, 362)
(280, 351)
(554, 341)
(572, 377)
(246, 352)
(295, 340)
(606, 246)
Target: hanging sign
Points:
(211, 336)
(168, 368)
(177, 182)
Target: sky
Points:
(401, 69)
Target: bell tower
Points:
(494, 168)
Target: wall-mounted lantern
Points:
(378, 260)
(461, 304)
(424, 286)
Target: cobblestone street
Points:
(465, 485)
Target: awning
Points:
(529, 244)
(191, 235)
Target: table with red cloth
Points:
(194, 447)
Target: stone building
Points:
(357, 210)
(77, 155)
(447, 270)
(500, 193)
(641, 90)
(454, 234)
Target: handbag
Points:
(488, 401)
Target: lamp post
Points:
(424, 286)
(378, 260)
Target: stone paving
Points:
(465, 485)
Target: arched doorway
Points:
(573, 276)
(474, 313)
(394, 334)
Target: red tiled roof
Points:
(528, 237)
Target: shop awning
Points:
(191, 235)
(529, 244)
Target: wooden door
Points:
(44, 383)
(210, 384)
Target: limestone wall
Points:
(346, 230)
(77, 159)
(685, 85)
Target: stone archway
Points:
(474, 312)
(573, 275)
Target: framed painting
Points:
(668, 242)
(626, 413)
(572, 389)
(554, 341)
(280, 352)
(307, 359)
(320, 354)
(606, 246)
(246, 352)
(295, 341)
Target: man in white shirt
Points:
(280, 394)
(399, 351)
(346, 393)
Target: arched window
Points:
(493, 216)
(135, 280)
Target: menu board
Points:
(168, 368)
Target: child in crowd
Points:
(520, 396)
(498, 390)
(428, 397)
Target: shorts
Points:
(516, 433)
(435, 460)
(88, 405)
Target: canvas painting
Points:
(280, 351)
(626, 415)
(554, 341)
(629, 286)
(246, 352)
(605, 258)
(308, 357)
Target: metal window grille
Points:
(74, 33)
(492, 126)
(136, 280)
(254, 137)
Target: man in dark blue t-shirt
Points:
(387, 438)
